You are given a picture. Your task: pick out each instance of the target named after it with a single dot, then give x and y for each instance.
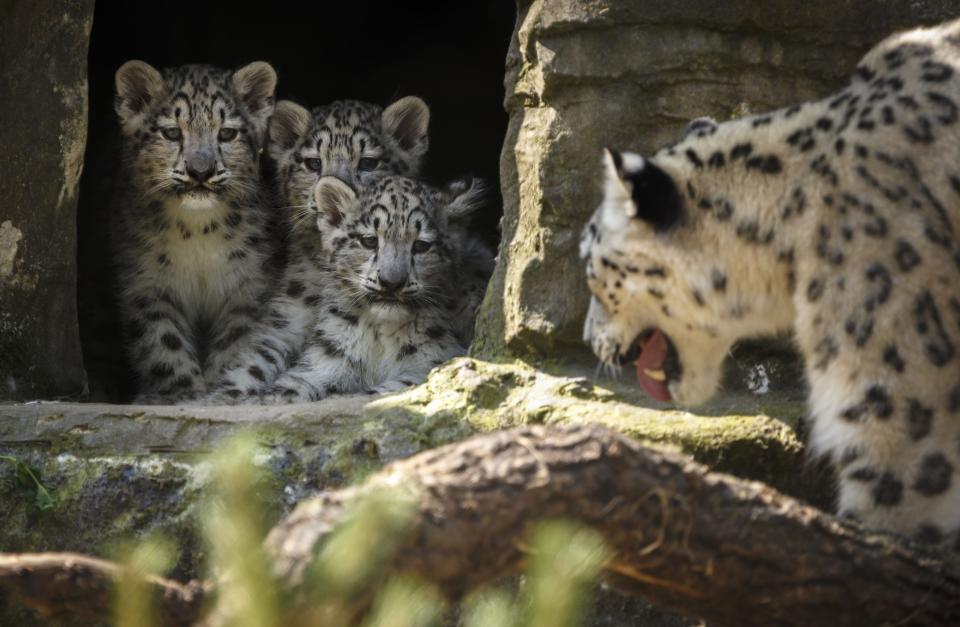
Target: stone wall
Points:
(584, 74)
(43, 79)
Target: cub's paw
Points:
(280, 395)
(390, 386)
(231, 396)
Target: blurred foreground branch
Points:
(67, 586)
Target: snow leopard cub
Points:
(380, 282)
(189, 227)
(357, 142)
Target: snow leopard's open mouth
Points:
(657, 363)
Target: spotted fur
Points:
(354, 141)
(189, 227)
(383, 286)
(836, 219)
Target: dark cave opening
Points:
(450, 54)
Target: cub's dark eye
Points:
(368, 164)
(314, 164)
(227, 134)
(421, 246)
(171, 133)
(370, 241)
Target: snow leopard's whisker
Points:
(598, 372)
(300, 218)
(160, 186)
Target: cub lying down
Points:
(383, 285)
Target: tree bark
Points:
(67, 586)
(698, 543)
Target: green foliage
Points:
(404, 603)
(29, 485)
(133, 604)
(492, 608)
(565, 559)
(234, 526)
(352, 558)
(349, 580)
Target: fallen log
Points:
(78, 588)
(697, 543)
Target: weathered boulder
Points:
(43, 77)
(584, 74)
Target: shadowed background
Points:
(451, 54)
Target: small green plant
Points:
(28, 483)
(348, 581)
(133, 603)
(235, 526)
(564, 561)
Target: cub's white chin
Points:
(389, 312)
(199, 200)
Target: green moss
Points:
(121, 474)
(487, 396)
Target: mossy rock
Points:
(124, 470)
(121, 472)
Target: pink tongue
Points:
(651, 358)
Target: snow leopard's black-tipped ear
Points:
(138, 85)
(463, 196)
(639, 189)
(333, 199)
(701, 127)
(407, 122)
(287, 125)
(255, 84)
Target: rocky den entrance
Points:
(577, 76)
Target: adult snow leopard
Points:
(836, 219)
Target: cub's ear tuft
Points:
(407, 122)
(287, 125)
(138, 84)
(701, 127)
(464, 196)
(255, 84)
(642, 190)
(334, 199)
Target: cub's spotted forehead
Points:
(345, 127)
(198, 82)
(347, 115)
(404, 201)
(198, 93)
(401, 195)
